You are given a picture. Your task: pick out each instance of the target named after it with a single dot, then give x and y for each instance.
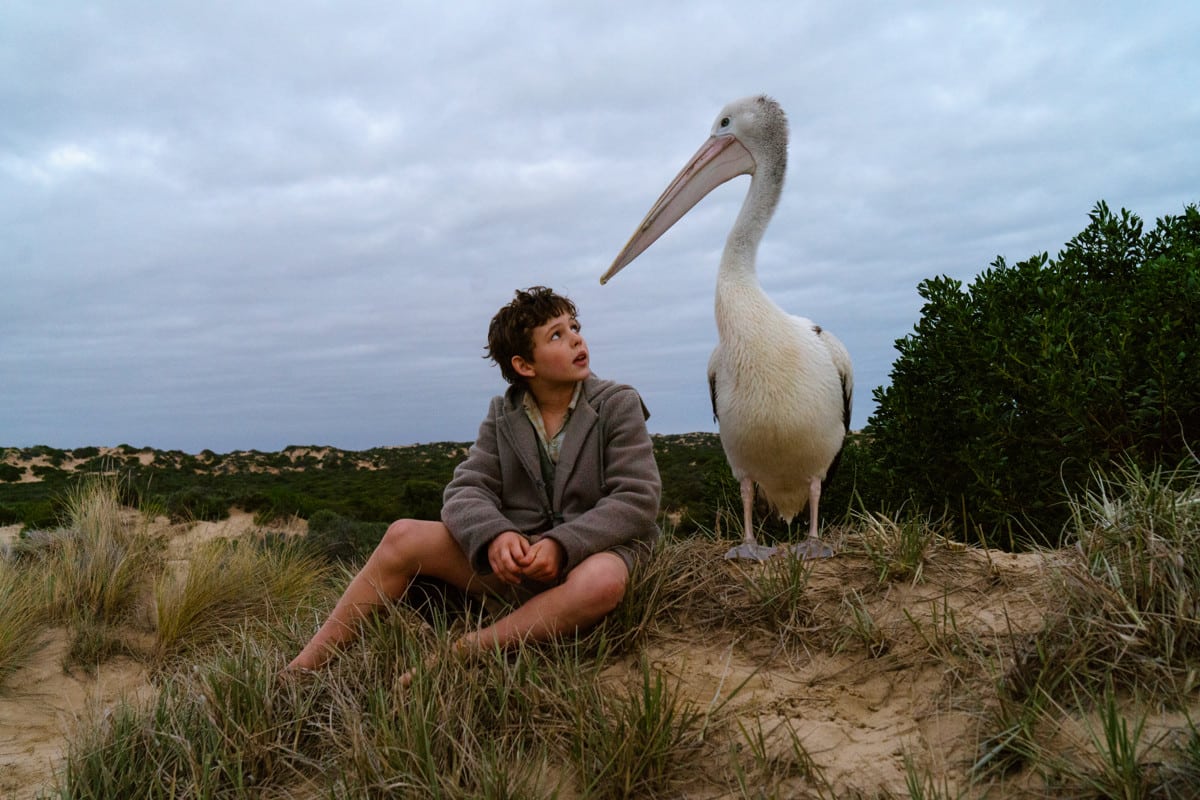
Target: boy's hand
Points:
(507, 556)
(543, 560)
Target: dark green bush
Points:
(39, 515)
(48, 473)
(1008, 393)
(339, 538)
(10, 474)
(420, 499)
(697, 484)
(53, 455)
(197, 503)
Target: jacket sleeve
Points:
(628, 507)
(471, 505)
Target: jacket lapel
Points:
(582, 420)
(515, 427)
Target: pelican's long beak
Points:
(718, 160)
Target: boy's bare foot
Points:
(293, 675)
(460, 651)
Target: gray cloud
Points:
(231, 226)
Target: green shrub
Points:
(421, 499)
(1009, 393)
(39, 514)
(55, 456)
(10, 474)
(342, 539)
(48, 473)
(197, 503)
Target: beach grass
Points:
(1097, 700)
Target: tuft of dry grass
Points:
(678, 585)
(222, 727)
(776, 594)
(89, 574)
(226, 584)
(1129, 592)
(1126, 624)
(97, 563)
(897, 547)
(21, 619)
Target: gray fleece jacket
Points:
(606, 491)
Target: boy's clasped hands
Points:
(513, 558)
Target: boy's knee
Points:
(398, 540)
(613, 592)
(606, 582)
(408, 541)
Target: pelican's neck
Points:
(739, 295)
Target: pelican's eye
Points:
(724, 122)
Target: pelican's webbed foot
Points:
(811, 548)
(751, 552)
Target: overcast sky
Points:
(232, 225)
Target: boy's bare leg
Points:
(409, 547)
(592, 589)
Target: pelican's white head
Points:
(759, 124)
(747, 132)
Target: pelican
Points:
(780, 385)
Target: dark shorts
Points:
(632, 554)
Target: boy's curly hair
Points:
(511, 330)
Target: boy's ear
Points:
(523, 367)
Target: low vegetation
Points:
(352, 494)
(1098, 699)
(1009, 391)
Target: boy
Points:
(554, 504)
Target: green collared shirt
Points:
(551, 445)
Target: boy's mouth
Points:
(582, 358)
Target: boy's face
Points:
(560, 354)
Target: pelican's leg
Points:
(748, 510)
(749, 549)
(812, 546)
(814, 500)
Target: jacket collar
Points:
(514, 425)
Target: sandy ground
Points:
(43, 701)
(857, 715)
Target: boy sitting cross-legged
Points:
(554, 504)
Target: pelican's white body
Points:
(781, 386)
(777, 395)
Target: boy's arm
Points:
(629, 509)
(471, 501)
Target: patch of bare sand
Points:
(858, 715)
(9, 534)
(42, 703)
(185, 538)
